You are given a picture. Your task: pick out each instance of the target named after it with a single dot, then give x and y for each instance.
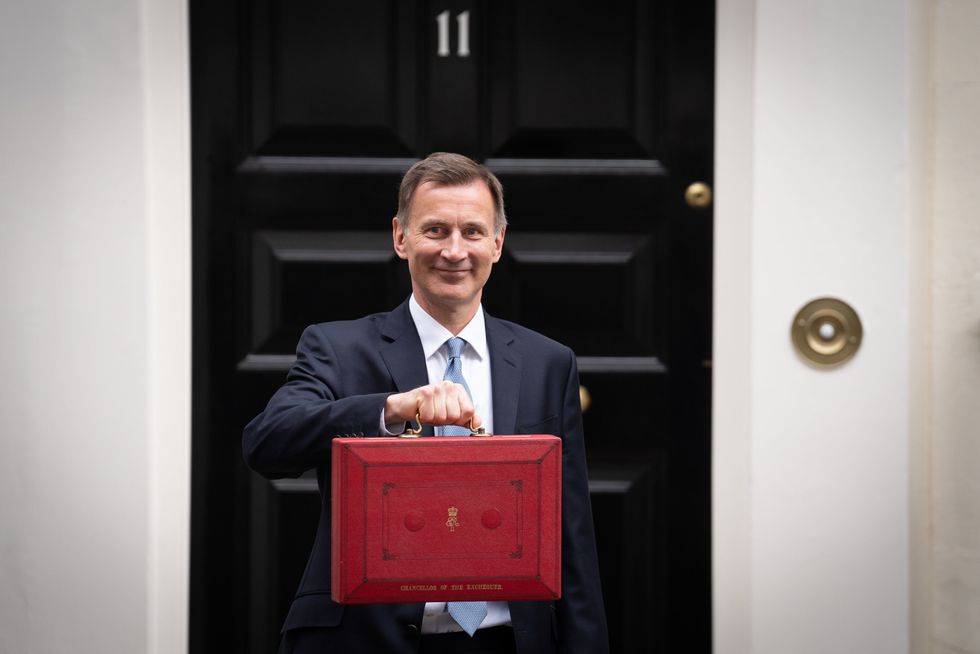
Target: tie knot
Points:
(455, 345)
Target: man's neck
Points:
(454, 318)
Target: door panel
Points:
(629, 520)
(558, 284)
(573, 82)
(305, 116)
(295, 280)
(310, 96)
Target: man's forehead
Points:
(474, 194)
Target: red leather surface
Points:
(434, 519)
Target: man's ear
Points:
(398, 238)
(498, 243)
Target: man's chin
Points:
(452, 297)
(453, 300)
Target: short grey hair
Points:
(452, 170)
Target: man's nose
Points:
(455, 248)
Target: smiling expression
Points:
(450, 246)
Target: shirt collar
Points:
(434, 336)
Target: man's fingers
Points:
(441, 398)
(445, 403)
(431, 403)
(460, 409)
(426, 402)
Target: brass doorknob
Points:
(584, 398)
(698, 195)
(827, 331)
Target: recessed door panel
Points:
(334, 79)
(576, 80)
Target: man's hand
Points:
(444, 403)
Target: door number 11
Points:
(463, 25)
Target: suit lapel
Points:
(505, 374)
(402, 353)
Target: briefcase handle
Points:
(415, 432)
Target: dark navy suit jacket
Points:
(337, 387)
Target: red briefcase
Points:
(449, 518)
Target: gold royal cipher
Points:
(452, 522)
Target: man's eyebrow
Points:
(430, 221)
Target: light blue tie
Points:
(454, 373)
(467, 615)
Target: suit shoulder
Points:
(344, 334)
(339, 328)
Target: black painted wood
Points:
(295, 282)
(334, 78)
(305, 115)
(628, 504)
(573, 80)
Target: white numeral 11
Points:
(463, 25)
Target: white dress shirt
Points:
(476, 370)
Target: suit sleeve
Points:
(294, 431)
(581, 614)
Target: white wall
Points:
(846, 501)
(94, 270)
(955, 365)
(818, 194)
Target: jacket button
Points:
(413, 628)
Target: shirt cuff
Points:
(394, 429)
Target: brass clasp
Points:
(415, 432)
(411, 432)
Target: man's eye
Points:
(434, 230)
(471, 231)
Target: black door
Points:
(596, 117)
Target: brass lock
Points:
(584, 398)
(827, 331)
(698, 195)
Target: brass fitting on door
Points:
(698, 195)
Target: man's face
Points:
(449, 244)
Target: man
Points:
(438, 356)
